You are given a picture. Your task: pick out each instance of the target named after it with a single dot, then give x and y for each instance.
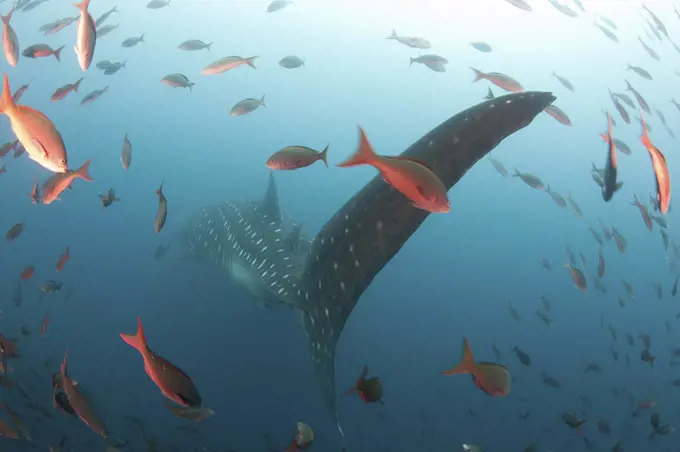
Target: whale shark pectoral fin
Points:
(362, 237)
(270, 204)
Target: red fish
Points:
(500, 80)
(558, 114)
(663, 178)
(170, 379)
(370, 390)
(409, 177)
(80, 404)
(44, 325)
(27, 273)
(64, 258)
(494, 379)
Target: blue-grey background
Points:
(454, 278)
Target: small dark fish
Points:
(108, 198)
(498, 166)
(640, 71)
(564, 9)
(14, 232)
(162, 213)
(522, 356)
(531, 180)
(640, 100)
(625, 98)
(370, 390)
(607, 32)
(481, 46)
(649, 50)
(521, 4)
(566, 83)
(611, 185)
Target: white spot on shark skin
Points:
(342, 285)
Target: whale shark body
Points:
(268, 254)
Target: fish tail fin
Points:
(578, 427)
(76, 85)
(479, 75)
(115, 9)
(324, 155)
(82, 5)
(141, 38)
(411, 62)
(466, 364)
(6, 101)
(57, 53)
(84, 171)
(159, 191)
(644, 138)
(553, 73)
(364, 155)
(262, 104)
(208, 45)
(393, 35)
(517, 173)
(191, 85)
(64, 367)
(251, 62)
(361, 378)
(8, 17)
(651, 361)
(138, 341)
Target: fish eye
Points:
(62, 161)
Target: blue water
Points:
(452, 279)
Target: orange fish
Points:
(663, 178)
(44, 324)
(558, 114)
(55, 185)
(493, 379)
(80, 404)
(409, 177)
(8, 347)
(35, 131)
(170, 379)
(369, 389)
(27, 273)
(500, 80)
(64, 258)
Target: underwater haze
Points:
(266, 281)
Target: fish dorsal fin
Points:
(293, 241)
(270, 203)
(362, 237)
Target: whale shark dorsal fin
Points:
(293, 241)
(270, 203)
(362, 237)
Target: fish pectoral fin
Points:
(618, 186)
(39, 145)
(187, 400)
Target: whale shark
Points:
(323, 278)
